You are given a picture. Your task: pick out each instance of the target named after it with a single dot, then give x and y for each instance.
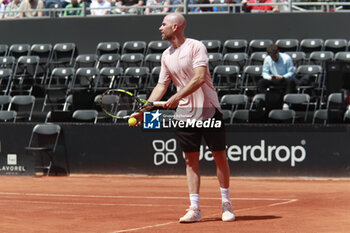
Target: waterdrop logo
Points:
(264, 152)
(164, 152)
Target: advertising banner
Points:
(14, 161)
(252, 150)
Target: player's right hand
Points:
(172, 102)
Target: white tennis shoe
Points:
(227, 212)
(192, 215)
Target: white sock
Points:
(194, 199)
(225, 195)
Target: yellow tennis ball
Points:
(132, 121)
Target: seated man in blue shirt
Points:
(278, 71)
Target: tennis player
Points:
(185, 63)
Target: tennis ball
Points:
(132, 121)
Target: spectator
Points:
(259, 8)
(2, 9)
(285, 7)
(28, 5)
(87, 2)
(55, 3)
(10, 8)
(236, 8)
(216, 8)
(278, 71)
(70, 8)
(345, 7)
(206, 9)
(129, 3)
(113, 2)
(100, 7)
(157, 3)
(180, 2)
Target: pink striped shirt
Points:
(178, 66)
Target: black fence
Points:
(252, 150)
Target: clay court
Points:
(106, 204)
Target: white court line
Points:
(284, 203)
(145, 227)
(92, 204)
(236, 211)
(134, 197)
(114, 204)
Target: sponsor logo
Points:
(12, 165)
(267, 153)
(12, 169)
(263, 152)
(164, 152)
(12, 159)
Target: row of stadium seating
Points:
(154, 59)
(237, 108)
(71, 50)
(137, 46)
(140, 53)
(32, 66)
(226, 78)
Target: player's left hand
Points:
(139, 117)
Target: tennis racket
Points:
(121, 104)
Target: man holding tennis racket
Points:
(185, 63)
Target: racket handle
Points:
(158, 103)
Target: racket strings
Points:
(117, 103)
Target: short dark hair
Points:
(272, 49)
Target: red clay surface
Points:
(106, 204)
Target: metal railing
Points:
(186, 8)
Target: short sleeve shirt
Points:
(25, 5)
(261, 8)
(178, 66)
(95, 7)
(157, 3)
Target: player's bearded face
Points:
(166, 29)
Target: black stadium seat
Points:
(157, 46)
(310, 45)
(259, 45)
(287, 45)
(18, 50)
(335, 45)
(235, 46)
(213, 46)
(3, 49)
(134, 47)
(107, 48)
